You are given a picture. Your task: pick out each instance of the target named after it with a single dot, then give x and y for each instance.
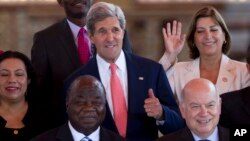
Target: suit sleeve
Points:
(172, 116)
(224, 116)
(39, 61)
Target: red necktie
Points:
(119, 104)
(83, 47)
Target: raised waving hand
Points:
(173, 40)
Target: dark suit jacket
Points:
(235, 108)
(186, 135)
(63, 133)
(140, 127)
(54, 57)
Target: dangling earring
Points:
(225, 42)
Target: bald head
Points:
(200, 106)
(198, 86)
(86, 82)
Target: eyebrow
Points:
(194, 103)
(212, 26)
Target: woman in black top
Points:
(20, 120)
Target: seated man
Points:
(235, 108)
(86, 110)
(139, 98)
(200, 106)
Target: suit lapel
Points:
(132, 81)
(223, 134)
(104, 136)
(226, 75)
(246, 99)
(192, 70)
(186, 135)
(68, 43)
(64, 133)
(135, 94)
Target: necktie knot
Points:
(81, 32)
(113, 68)
(86, 139)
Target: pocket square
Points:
(141, 78)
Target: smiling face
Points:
(108, 38)
(13, 80)
(208, 37)
(201, 108)
(75, 8)
(86, 104)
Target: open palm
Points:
(173, 39)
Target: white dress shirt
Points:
(213, 137)
(105, 75)
(77, 136)
(75, 29)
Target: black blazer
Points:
(54, 56)
(186, 135)
(63, 133)
(142, 75)
(235, 108)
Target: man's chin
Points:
(78, 15)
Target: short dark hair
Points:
(208, 11)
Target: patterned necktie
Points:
(83, 47)
(119, 104)
(86, 139)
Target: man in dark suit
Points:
(54, 56)
(235, 109)
(200, 106)
(149, 101)
(86, 110)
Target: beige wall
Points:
(18, 23)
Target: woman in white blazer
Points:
(208, 40)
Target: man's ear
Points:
(91, 38)
(182, 109)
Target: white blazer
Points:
(233, 75)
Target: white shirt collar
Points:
(75, 28)
(77, 136)
(213, 137)
(120, 62)
(105, 74)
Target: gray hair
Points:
(102, 10)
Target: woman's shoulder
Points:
(239, 65)
(186, 64)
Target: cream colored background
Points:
(19, 21)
